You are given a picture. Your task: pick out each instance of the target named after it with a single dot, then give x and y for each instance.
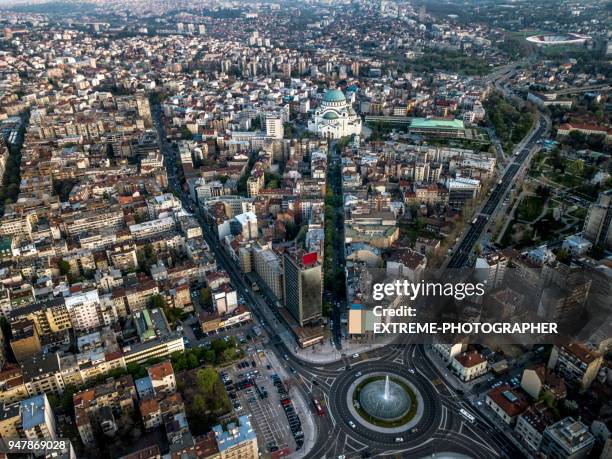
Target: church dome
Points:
(330, 116)
(334, 95)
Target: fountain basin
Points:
(384, 399)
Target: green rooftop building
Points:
(438, 127)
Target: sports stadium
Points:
(558, 39)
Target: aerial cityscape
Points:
(311, 229)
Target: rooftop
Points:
(510, 401)
(571, 434)
(470, 359)
(234, 435)
(334, 95)
(432, 123)
(33, 411)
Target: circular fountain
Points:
(384, 399)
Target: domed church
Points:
(335, 117)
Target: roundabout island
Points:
(384, 404)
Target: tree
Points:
(192, 360)
(206, 379)
(543, 191)
(209, 356)
(206, 297)
(198, 404)
(563, 256)
(157, 302)
(64, 267)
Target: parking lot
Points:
(254, 390)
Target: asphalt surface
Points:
(338, 303)
(441, 429)
(462, 252)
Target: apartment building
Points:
(576, 363)
(237, 441)
(567, 439)
(91, 406)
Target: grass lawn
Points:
(382, 423)
(530, 208)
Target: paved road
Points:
(338, 303)
(515, 169)
(441, 428)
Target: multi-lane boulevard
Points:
(513, 171)
(440, 428)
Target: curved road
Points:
(441, 428)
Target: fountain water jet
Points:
(384, 399)
(386, 395)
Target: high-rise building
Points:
(31, 418)
(565, 290)
(37, 419)
(567, 439)
(303, 291)
(577, 363)
(491, 269)
(83, 310)
(274, 127)
(462, 189)
(268, 266)
(246, 225)
(597, 227)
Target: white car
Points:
(358, 374)
(398, 439)
(352, 424)
(355, 356)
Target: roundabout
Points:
(384, 404)
(383, 399)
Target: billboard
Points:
(309, 258)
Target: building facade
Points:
(335, 117)
(303, 288)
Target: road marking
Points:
(481, 443)
(442, 418)
(356, 445)
(392, 453)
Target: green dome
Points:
(334, 95)
(330, 116)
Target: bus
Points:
(318, 407)
(468, 416)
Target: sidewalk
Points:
(449, 376)
(321, 353)
(509, 433)
(326, 352)
(474, 399)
